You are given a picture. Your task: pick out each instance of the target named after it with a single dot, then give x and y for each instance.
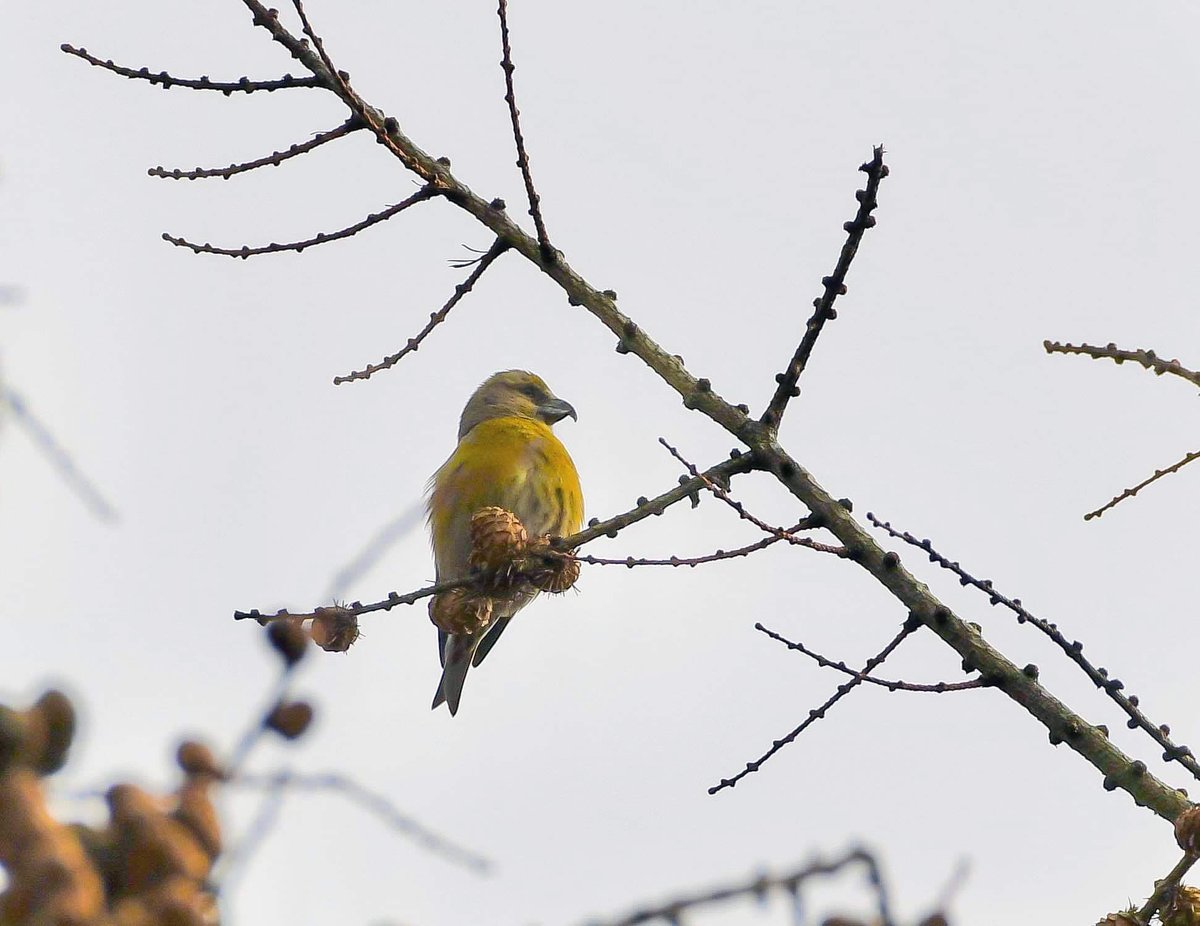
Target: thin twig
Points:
(816, 714)
(423, 194)
(254, 732)
(272, 160)
(631, 561)
(356, 608)
(374, 803)
(58, 456)
(435, 319)
(233, 863)
(835, 285)
(745, 515)
(1131, 492)
(824, 662)
(1164, 888)
(506, 64)
(595, 529)
(242, 85)
(342, 78)
(374, 549)
(1099, 676)
(1147, 358)
(759, 887)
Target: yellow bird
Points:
(508, 457)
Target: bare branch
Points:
(630, 561)
(1131, 492)
(374, 803)
(58, 456)
(1099, 676)
(936, 688)
(242, 85)
(506, 64)
(777, 532)
(910, 626)
(422, 195)
(1147, 358)
(595, 529)
(835, 285)
(356, 608)
(435, 319)
(271, 160)
(761, 886)
(1164, 889)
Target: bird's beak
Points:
(556, 410)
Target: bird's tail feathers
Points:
(456, 658)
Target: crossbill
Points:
(506, 457)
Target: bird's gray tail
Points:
(456, 662)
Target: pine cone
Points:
(551, 572)
(335, 630)
(460, 611)
(497, 539)
(1187, 830)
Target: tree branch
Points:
(272, 160)
(435, 319)
(245, 251)
(835, 285)
(506, 65)
(1147, 358)
(242, 85)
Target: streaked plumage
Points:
(506, 456)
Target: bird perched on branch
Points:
(507, 457)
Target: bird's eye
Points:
(531, 390)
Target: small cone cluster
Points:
(146, 867)
(506, 558)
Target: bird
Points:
(508, 457)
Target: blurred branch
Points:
(374, 550)
(760, 887)
(374, 803)
(58, 456)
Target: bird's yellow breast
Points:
(513, 463)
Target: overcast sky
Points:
(700, 159)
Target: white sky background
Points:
(700, 159)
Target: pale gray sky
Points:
(699, 158)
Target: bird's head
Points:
(513, 394)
